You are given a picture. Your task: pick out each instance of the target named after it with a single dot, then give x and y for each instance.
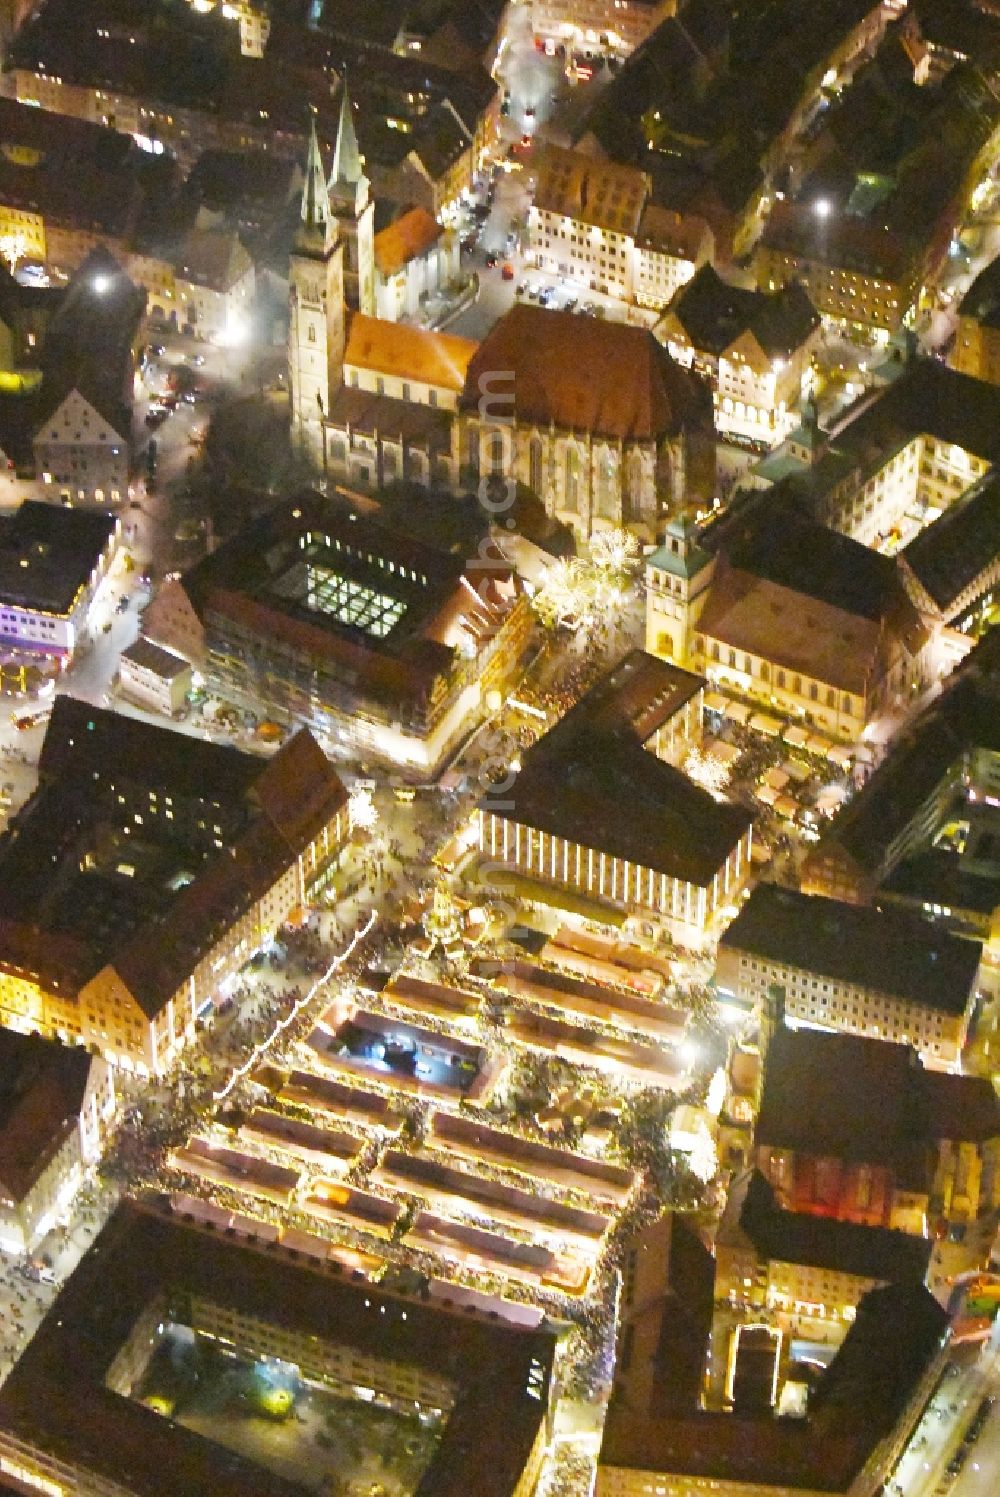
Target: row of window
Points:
(783, 680)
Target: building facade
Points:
(80, 450)
(415, 259)
(54, 563)
(367, 633)
(756, 606)
(615, 26)
(53, 1129)
(756, 348)
(214, 285)
(858, 970)
(155, 677)
(373, 401)
(596, 224)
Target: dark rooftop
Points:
(982, 300)
(43, 1085)
(870, 1382)
(864, 1101)
(927, 397)
(634, 698)
(58, 1399)
(935, 875)
(778, 540)
(153, 657)
(584, 374)
(84, 884)
(48, 553)
(714, 314)
(590, 780)
(890, 951)
(961, 546)
(964, 717)
(89, 341)
(961, 1108)
(822, 1242)
(379, 609)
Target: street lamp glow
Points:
(101, 283)
(822, 208)
(237, 329)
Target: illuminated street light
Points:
(101, 284)
(236, 331)
(822, 208)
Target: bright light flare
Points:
(361, 809)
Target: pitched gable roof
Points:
(409, 353)
(714, 314)
(406, 239)
(583, 374)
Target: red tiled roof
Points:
(587, 375)
(407, 239)
(411, 353)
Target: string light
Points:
(282, 1024)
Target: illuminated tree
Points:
(707, 771)
(566, 595)
(361, 810)
(614, 550)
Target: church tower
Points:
(316, 316)
(677, 578)
(354, 208)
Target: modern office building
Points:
(143, 874)
(853, 968)
(92, 1406)
(53, 561)
(358, 630)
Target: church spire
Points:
(347, 169)
(315, 198)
